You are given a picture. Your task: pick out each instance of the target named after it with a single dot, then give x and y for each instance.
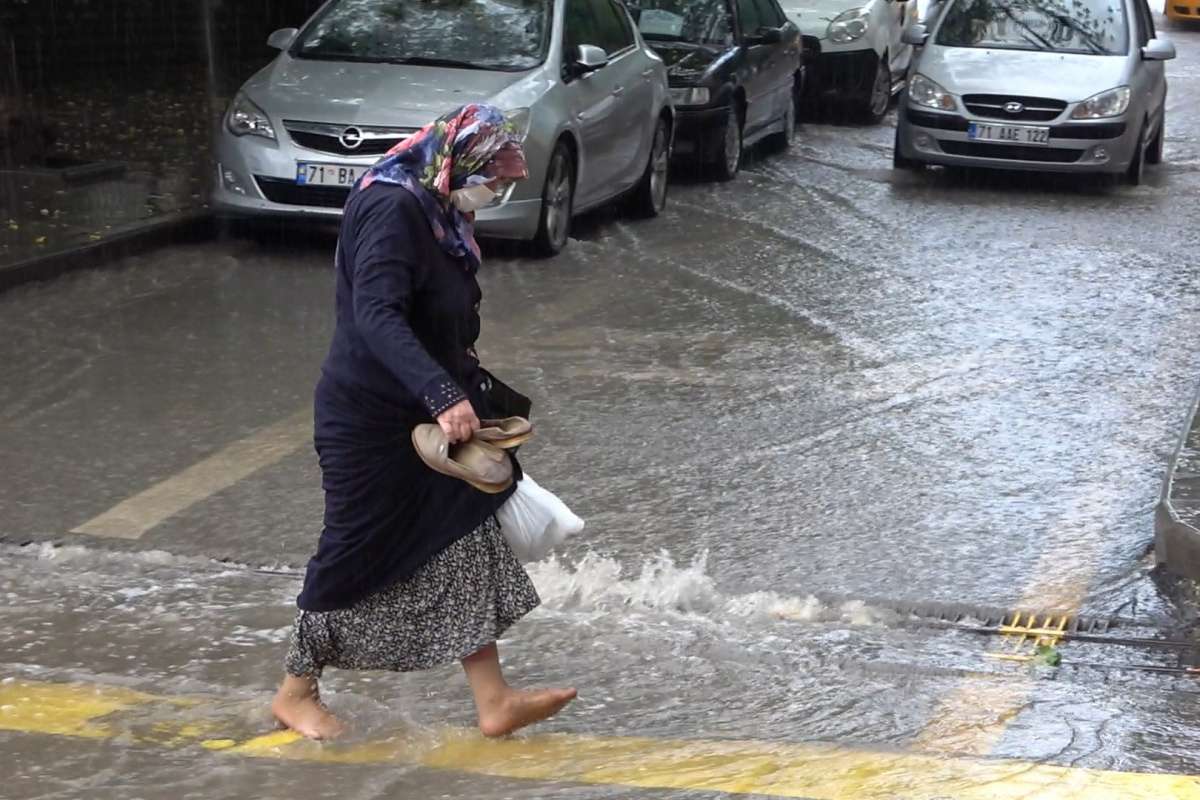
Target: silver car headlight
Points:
(1112, 103)
(924, 92)
(850, 26)
(520, 120)
(246, 119)
(692, 96)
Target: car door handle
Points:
(617, 92)
(648, 74)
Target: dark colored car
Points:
(735, 68)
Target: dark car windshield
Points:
(1061, 26)
(694, 21)
(507, 35)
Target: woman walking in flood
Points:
(412, 571)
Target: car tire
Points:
(729, 156)
(558, 203)
(1137, 167)
(1154, 153)
(783, 140)
(650, 196)
(875, 105)
(899, 161)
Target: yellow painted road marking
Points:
(131, 518)
(63, 710)
(813, 771)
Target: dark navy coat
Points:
(403, 352)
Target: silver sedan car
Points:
(361, 75)
(1036, 85)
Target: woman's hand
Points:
(459, 422)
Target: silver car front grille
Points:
(345, 140)
(1025, 109)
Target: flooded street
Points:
(787, 408)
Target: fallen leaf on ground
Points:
(1047, 655)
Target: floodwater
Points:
(825, 381)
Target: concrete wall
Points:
(133, 42)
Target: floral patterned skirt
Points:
(463, 599)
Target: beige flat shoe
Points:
(505, 433)
(482, 465)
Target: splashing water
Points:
(594, 585)
(598, 583)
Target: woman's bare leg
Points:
(503, 709)
(298, 705)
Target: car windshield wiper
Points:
(317, 55)
(1036, 39)
(426, 61)
(1086, 36)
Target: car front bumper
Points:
(699, 131)
(1106, 146)
(836, 73)
(256, 178)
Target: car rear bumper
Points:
(1085, 146)
(1183, 9)
(257, 179)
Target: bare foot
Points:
(302, 711)
(515, 709)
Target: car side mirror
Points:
(590, 58)
(765, 36)
(1158, 50)
(915, 34)
(282, 39)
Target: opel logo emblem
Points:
(351, 138)
(1014, 108)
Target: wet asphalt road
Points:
(824, 379)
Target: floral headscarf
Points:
(471, 145)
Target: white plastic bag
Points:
(535, 521)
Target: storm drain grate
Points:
(1026, 635)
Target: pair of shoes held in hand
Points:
(480, 461)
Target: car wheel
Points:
(650, 197)
(729, 162)
(875, 104)
(558, 203)
(1154, 153)
(898, 159)
(1137, 167)
(786, 137)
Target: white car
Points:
(856, 55)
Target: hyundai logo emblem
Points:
(351, 138)
(1014, 107)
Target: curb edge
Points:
(181, 226)
(1176, 542)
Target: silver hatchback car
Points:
(361, 75)
(1045, 85)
